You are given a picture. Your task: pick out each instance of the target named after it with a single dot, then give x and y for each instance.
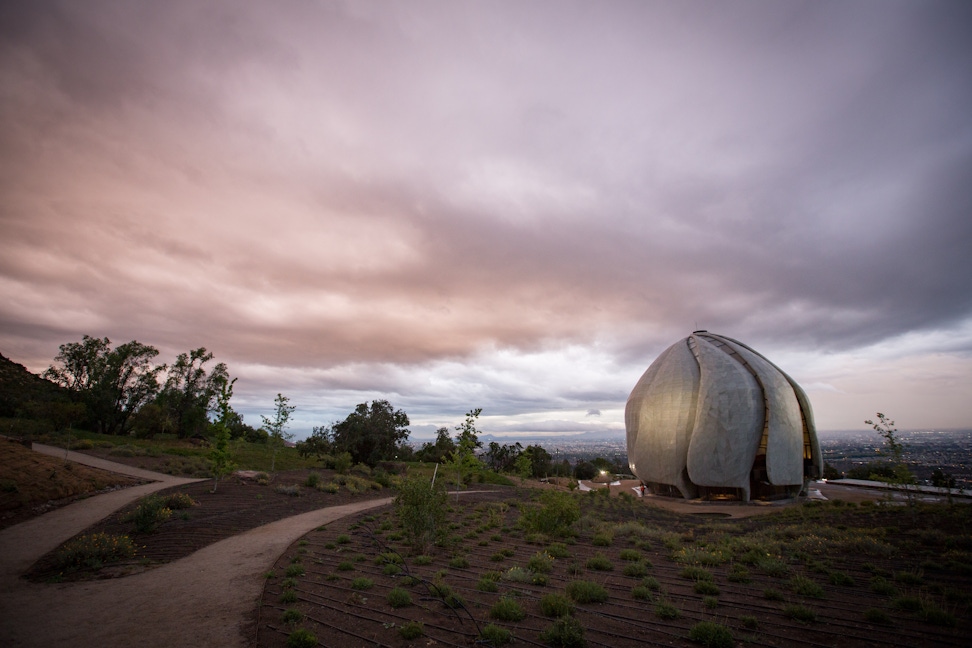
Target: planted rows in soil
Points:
(814, 575)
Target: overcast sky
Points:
(508, 205)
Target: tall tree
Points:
(439, 450)
(463, 460)
(112, 383)
(371, 433)
(190, 391)
(220, 460)
(277, 426)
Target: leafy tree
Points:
(276, 427)
(190, 391)
(421, 508)
(463, 459)
(502, 458)
(318, 444)
(539, 460)
(942, 479)
(219, 457)
(829, 472)
(113, 384)
(371, 433)
(585, 470)
(439, 450)
(902, 477)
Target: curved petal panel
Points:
(728, 423)
(784, 443)
(660, 415)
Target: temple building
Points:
(712, 418)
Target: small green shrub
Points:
(345, 565)
(635, 570)
(641, 593)
(288, 596)
(554, 516)
(586, 592)
(459, 562)
(293, 616)
(487, 584)
(399, 597)
(294, 571)
(313, 479)
(288, 583)
(293, 490)
(908, 578)
(840, 578)
(710, 602)
(749, 622)
(362, 583)
(931, 613)
(507, 609)
(411, 630)
(771, 594)
(882, 586)
(556, 605)
(599, 562)
(93, 551)
(651, 583)
(806, 587)
(148, 514)
(558, 550)
(494, 635)
(694, 572)
(667, 610)
(738, 574)
(706, 587)
(541, 562)
(301, 638)
(602, 539)
(712, 635)
(773, 567)
(800, 613)
(565, 632)
(343, 539)
(630, 555)
(422, 560)
(391, 569)
(875, 615)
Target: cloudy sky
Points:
(508, 205)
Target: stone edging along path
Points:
(204, 599)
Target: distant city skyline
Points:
(508, 205)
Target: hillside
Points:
(23, 393)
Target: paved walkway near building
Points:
(204, 600)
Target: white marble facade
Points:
(711, 413)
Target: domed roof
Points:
(712, 415)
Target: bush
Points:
(294, 570)
(362, 583)
(635, 570)
(874, 615)
(712, 635)
(641, 593)
(293, 490)
(148, 514)
(840, 578)
(696, 573)
(630, 555)
(556, 605)
(771, 594)
(800, 613)
(421, 509)
(93, 551)
(540, 562)
(749, 622)
(566, 632)
(738, 574)
(487, 583)
(806, 587)
(558, 550)
(666, 610)
(706, 587)
(599, 562)
(880, 585)
(507, 609)
(312, 481)
(459, 562)
(399, 597)
(586, 592)
(293, 616)
(496, 636)
(411, 630)
(555, 515)
(301, 638)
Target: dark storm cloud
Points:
(357, 194)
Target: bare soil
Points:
(858, 576)
(32, 483)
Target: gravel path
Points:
(205, 599)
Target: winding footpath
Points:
(205, 599)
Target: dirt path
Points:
(202, 600)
